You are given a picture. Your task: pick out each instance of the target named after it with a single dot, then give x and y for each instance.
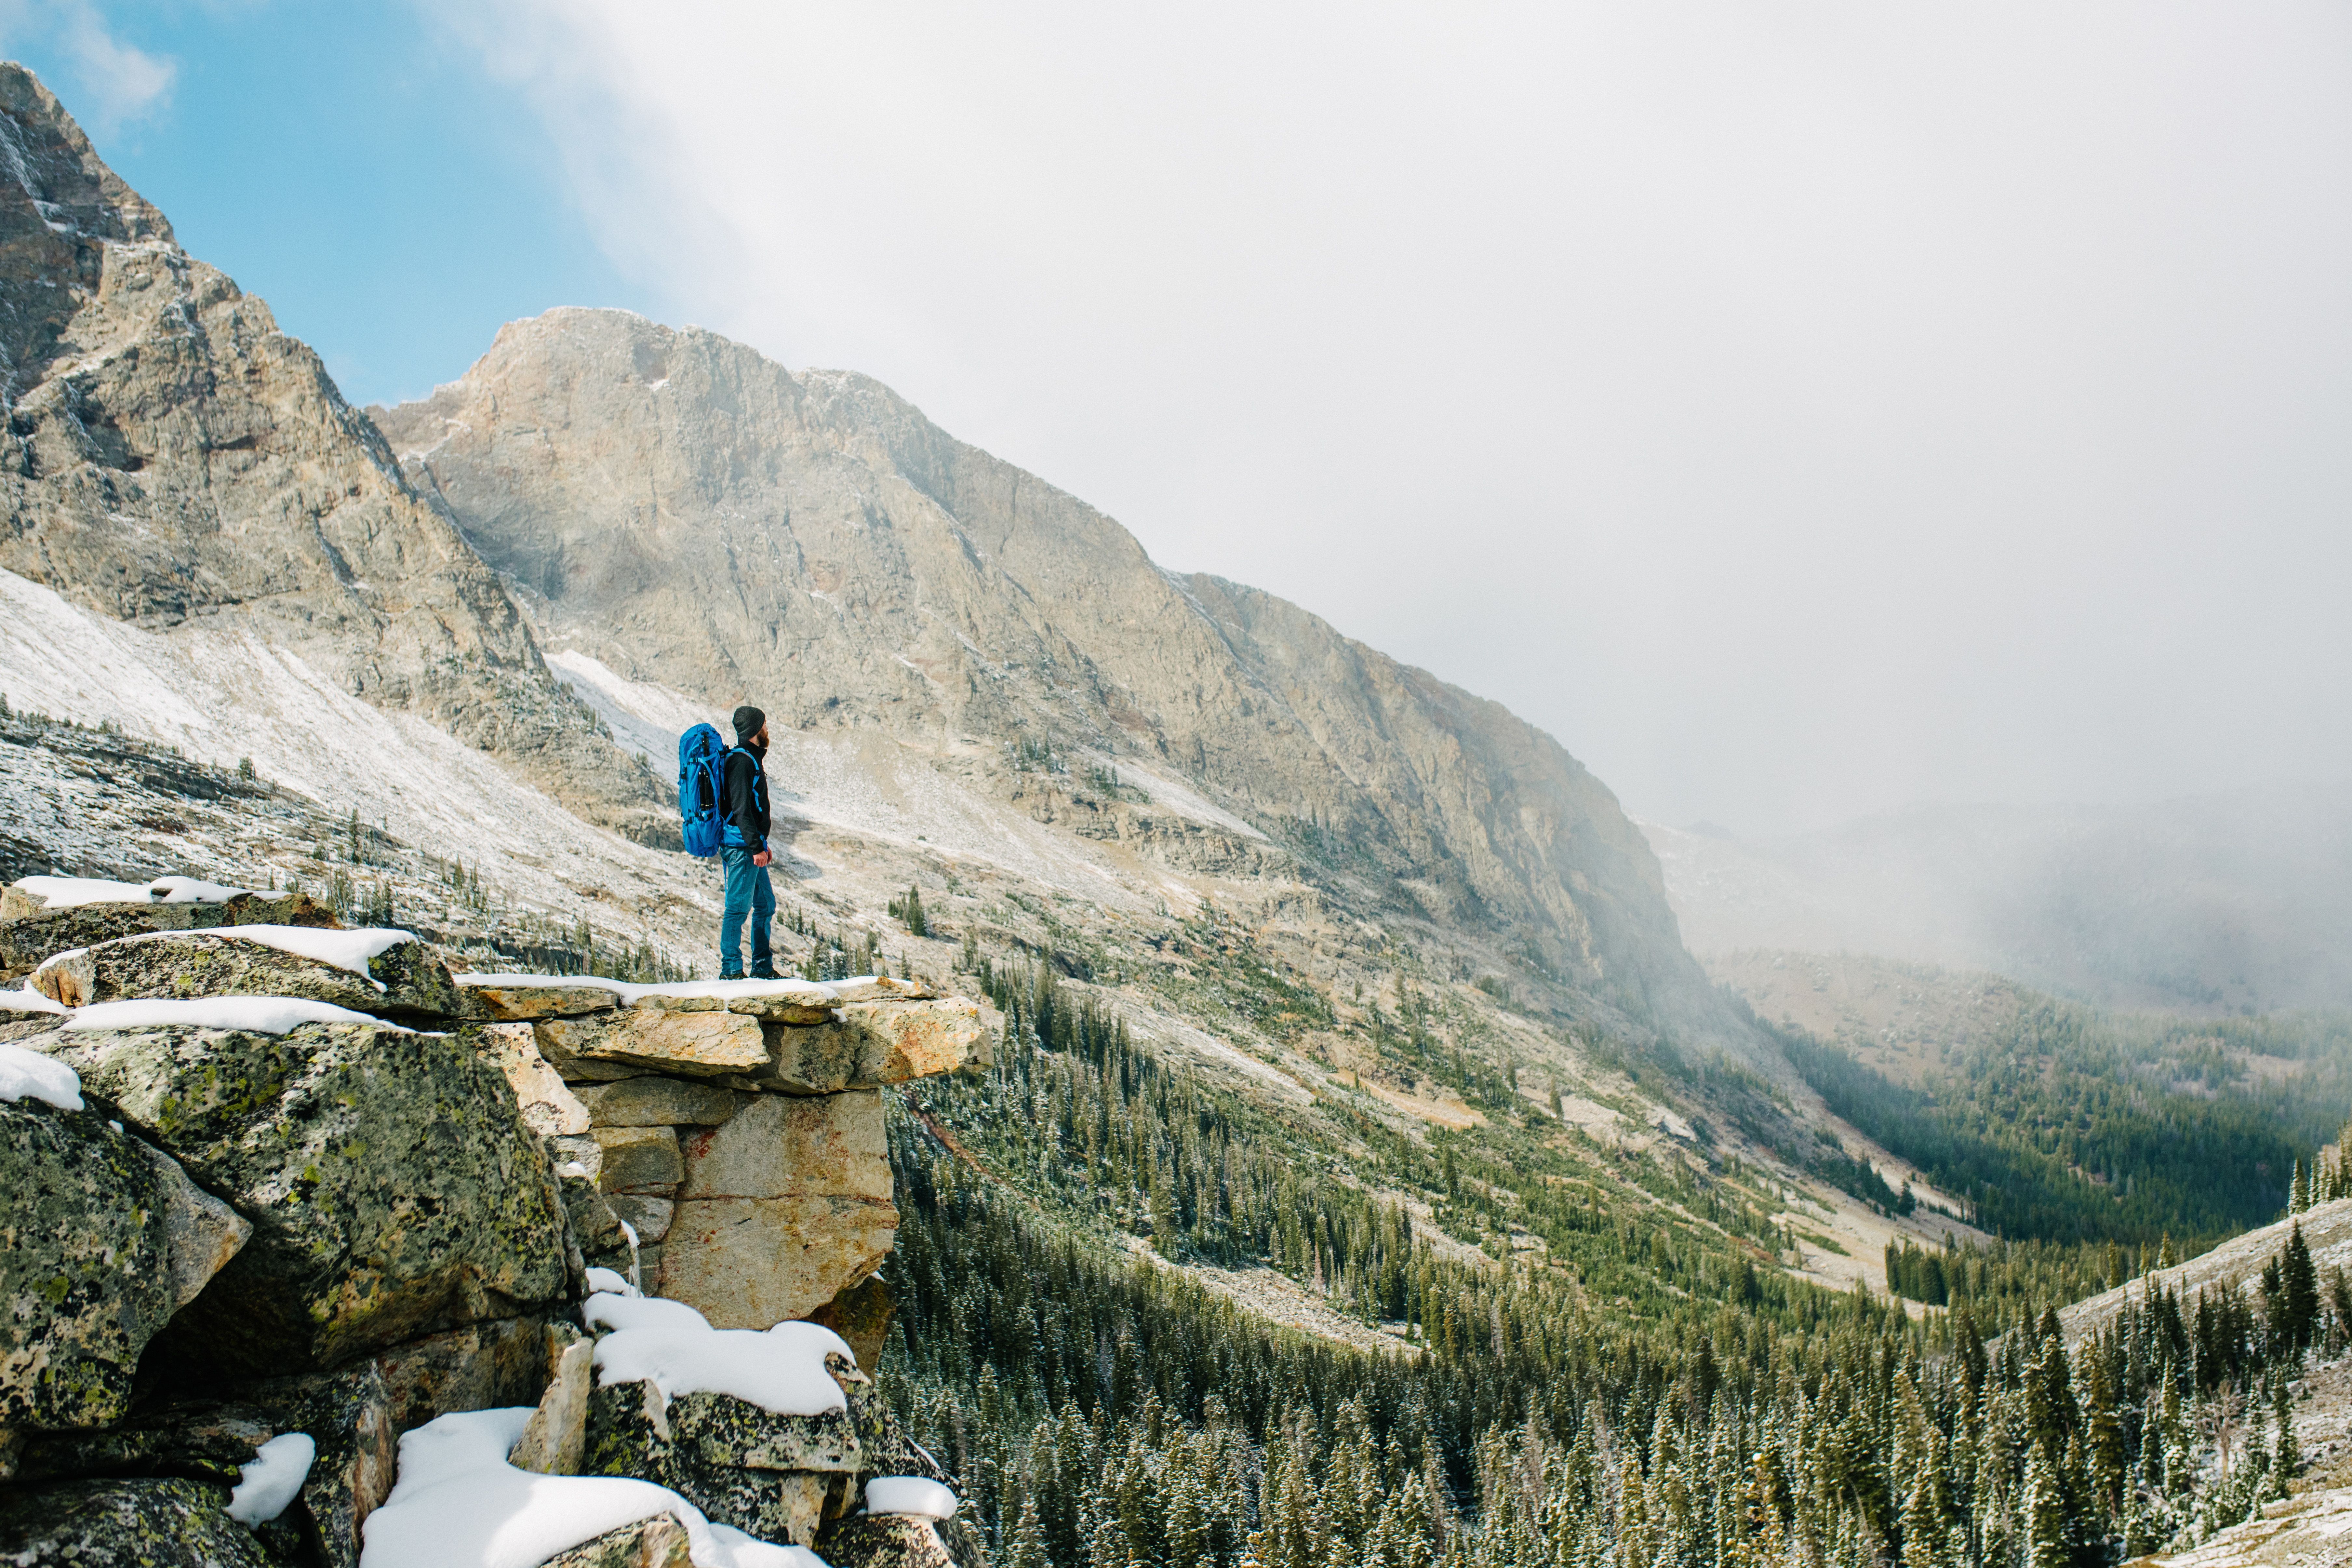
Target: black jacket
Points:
(745, 802)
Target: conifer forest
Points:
(1643, 1386)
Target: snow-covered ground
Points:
(224, 696)
(874, 787)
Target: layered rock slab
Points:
(782, 1207)
(403, 981)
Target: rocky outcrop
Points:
(884, 1540)
(775, 1476)
(796, 1477)
(348, 1416)
(395, 1189)
(405, 980)
(280, 1214)
(171, 456)
(30, 933)
(784, 1206)
(656, 1542)
(740, 1136)
(153, 1522)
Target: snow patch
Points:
(28, 1000)
(348, 949)
(644, 718)
(607, 1282)
(75, 892)
(909, 1494)
(782, 1370)
(792, 990)
(261, 1014)
(458, 1504)
(28, 1075)
(267, 1484)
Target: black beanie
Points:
(748, 720)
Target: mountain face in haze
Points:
(172, 459)
(701, 520)
(2229, 902)
(693, 515)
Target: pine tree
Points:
(1026, 1549)
(2298, 1289)
(2287, 1456)
(2044, 1510)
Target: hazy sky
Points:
(1801, 410)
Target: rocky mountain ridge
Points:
(173, 461)
(699, 519)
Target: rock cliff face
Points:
(173, 459)
(695, 516)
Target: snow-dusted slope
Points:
(224, 696)
(868, 785)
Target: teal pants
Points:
(750, 894)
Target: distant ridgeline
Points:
(2074, 1125)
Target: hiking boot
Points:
(731, 974)
(765, 972)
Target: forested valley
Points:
(1640, 1384)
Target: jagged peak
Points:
(49, 166)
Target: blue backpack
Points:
(701, 786)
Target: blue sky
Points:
(351, 163)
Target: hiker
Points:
(743, 851)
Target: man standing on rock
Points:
(743, 851)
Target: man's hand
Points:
(763, 858)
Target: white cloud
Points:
(1798, 409)
(116, 83)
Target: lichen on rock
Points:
(395, 1189)
(101, 1240)
(405, 980)
(153, 1522)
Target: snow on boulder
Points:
(605, 1282)
(33, 928)
(377, 970)
(918, 1495)
(671, 1345)
(75, 892)
(27, 1003)
(753, 1427)
(273, 1479)
(28, 1075)
(256, 1015)
(458, 1504)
